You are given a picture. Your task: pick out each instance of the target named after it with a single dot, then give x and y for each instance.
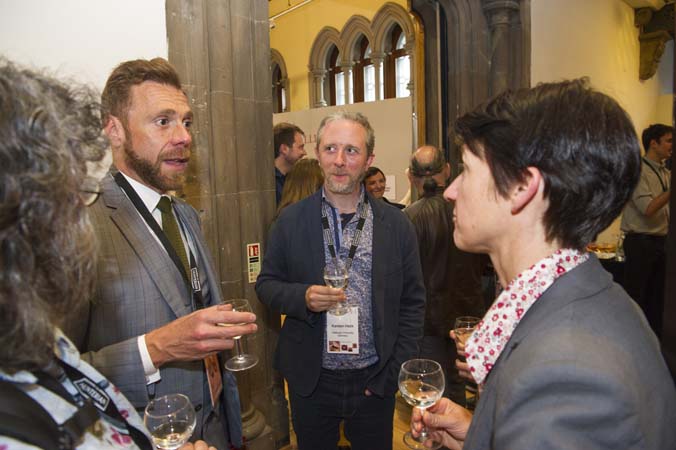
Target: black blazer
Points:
(294, 260)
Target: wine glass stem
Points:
(238, 346)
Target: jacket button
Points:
(198, 407)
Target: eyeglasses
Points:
(90, 190)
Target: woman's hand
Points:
(446, 422)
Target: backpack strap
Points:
(24, 419)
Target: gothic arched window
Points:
(364, 73)
(397, 65)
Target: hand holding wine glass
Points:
(241, 360)
(336, 276)
(170, 420)
(421, 383)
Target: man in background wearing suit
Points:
(343, 367)
(564, 356)
(152, 326)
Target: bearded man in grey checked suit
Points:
(152, 327)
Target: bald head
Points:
(428, 166)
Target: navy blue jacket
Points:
(294, 260)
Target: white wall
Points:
(598, 39)
(82, 39)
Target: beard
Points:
(150, 172)
(348, 187)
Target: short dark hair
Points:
(654, 132)
(285, 133)
(582, 142)
(373, 170)
(116, 97)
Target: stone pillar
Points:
(500, 15)
(231, 176)
(377, 58)
(318, 76)
(347, 81)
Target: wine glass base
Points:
(243, 362)
(415, 444)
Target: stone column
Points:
(377, 58)
(500, 15)
(231, 176)
(318, 76)
(347, 79)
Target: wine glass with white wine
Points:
(335, 276)
(171, 420)
(463, 329)
(421, 383)
(241, 360)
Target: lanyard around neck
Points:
(659, 177)
(362, 214)
(193, 281)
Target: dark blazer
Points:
(139, 289)
(294, 260)
(582, 370)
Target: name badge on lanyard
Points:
(342, 332)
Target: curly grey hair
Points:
(48, 131)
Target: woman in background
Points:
(302, 181)
(375, 183)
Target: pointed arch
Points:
(327, 37)
(281, 95)
(354, 29)
(389, 15)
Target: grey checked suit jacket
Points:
(139, 289)
(582, 371)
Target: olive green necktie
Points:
(170, 227)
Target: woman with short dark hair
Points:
(564, 358)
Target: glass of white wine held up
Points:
(463, 329)
(421, 383)
(241, 360)
(171, 420)
(336, 276)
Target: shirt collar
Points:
(359, 202)
(149, 197)
(655, 164)
(490, 337)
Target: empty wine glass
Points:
(421, 383)
(241, 360)
(335, 276)
(463, 329)
(171, 420)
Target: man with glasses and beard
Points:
(152, 324)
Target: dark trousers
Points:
(340, 396)
(644, 275)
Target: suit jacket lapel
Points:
(193, 227)
(315, 236)
(379, 263)
(154, 258)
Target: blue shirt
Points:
(280, 178)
